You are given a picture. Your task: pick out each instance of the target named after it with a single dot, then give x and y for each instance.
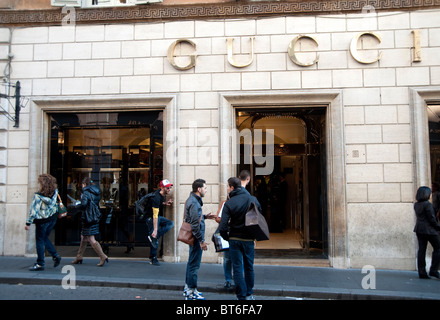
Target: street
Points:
(57, 292)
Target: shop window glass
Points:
(122, 152)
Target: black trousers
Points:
(434, 240)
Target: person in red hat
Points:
(157, 224)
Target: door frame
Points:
(336, 200)
(39, 144)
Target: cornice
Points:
(160, 12)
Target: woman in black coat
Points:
(90, 207)
(427, 231)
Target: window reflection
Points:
(122, 152)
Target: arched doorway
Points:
(293, 196)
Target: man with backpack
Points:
(152, 207)
(241, 240)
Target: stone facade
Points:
(373, 162)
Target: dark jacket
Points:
(193, 212)
(426, 223)
(234, 215)
(91, 193)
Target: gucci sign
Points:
(292, 52)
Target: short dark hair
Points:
(234, 182)
(244, 174)
(198, 183)
(423, 194)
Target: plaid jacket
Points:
(42, 207)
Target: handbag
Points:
(94, 214)
(61, 208)
(220, 244)
(185, 233)
(256, 223)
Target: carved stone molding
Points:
(160, 12)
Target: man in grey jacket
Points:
(195, 217)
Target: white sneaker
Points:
(194, 295)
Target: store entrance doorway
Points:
(294, 195)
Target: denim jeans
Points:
(242, 257)
(163, 226)
(42, 232)
(193, 265)
(227, 266)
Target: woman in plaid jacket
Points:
(43, 213)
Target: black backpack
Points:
(142, 204)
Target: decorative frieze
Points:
(160, 12)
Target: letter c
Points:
(354, 52)
(292, 55)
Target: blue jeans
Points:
(163, 226)
(242, 257)
(227, 266)
(42, 232)
(193, 265)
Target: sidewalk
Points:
(300, 282)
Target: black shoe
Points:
(36, 267)
(154, 262)
(228, 285)
(56, 261)
(423, 276)
(154, 242)
(435, 274)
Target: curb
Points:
(295, 293)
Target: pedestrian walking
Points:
(241, 242)
(426, 229)
(157, 224)
(90, 217)
(194, 216)
(43, 213)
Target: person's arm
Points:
(194, 218)
(155, 219)
(33, 211)
(224, 222)
(430, 214)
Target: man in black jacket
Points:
(241, 241)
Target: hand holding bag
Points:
(61, 208)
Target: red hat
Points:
(165, 183)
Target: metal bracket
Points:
(20, 102)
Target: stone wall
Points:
(121, 61)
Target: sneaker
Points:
(186, 291)
(228, 285)
(36, 267)
(251, 297)
(194, 295)
(154, 242)
(154, 262)
(56, 261)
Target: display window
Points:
(122, 152)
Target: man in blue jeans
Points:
(241, 241)
(157, 224)
(194, 216)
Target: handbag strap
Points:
(59, 198)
